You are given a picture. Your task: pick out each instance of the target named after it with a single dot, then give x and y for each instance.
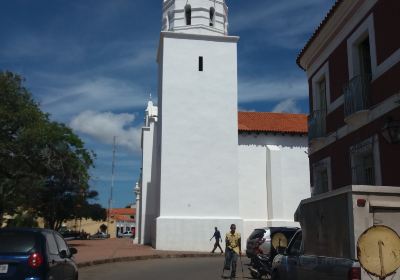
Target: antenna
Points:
(112, 186)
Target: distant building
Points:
(352, 64)
(120, 220)
(124, 220)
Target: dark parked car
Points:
(292, 263)
(72, 234)
(35, 254)
(99, 235)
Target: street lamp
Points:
(391, 131)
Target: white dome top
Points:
(209, 17)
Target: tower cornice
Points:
(195, 16)
(204, 37)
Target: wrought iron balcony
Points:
(363, 175)
(317, 124)
(357, 94)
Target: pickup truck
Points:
(331, 224)
(292, 264)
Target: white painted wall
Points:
(199, 156)
(273, 179)
(147, 202)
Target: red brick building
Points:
(352, 63)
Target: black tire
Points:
(255, 275)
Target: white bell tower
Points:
(195, 16)
(197, 126)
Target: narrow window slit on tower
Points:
(200, 63)
(188, 14)
(212, 16)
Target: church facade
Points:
(202, 166)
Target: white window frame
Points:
(376, 155)
(318, 166)
(365, 29)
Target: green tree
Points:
(44, 166)
(65, 165)
(23, 220)
(19, 118)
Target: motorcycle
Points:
(261, 266)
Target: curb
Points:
(143, 258)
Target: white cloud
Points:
(287, 106)
(272, 90)
(98, 94)
(104, 126)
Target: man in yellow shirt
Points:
(233, 250)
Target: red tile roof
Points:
(123, 218)
(318, 30)
(273, 122)
(123, 211)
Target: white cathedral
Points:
(205, 165)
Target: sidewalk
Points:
(92, 252)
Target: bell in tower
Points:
(208, 17)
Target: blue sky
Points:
(91, 64)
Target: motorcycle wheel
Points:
(255, 275)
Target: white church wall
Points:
(295, 179)
(197, 105)
(252, 182)
(199, 171)
(146, 179)
(252, 188)
(154, 193)
(148, 192)
(193, 233)
(283, 176)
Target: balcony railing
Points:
(363, 175)
(317, 124)
(357, 94)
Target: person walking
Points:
(217, 236)
(233, 250)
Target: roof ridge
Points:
(316, 32)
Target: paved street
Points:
(174, 269)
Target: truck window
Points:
(295, 245)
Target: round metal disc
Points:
(378, 250)
(279, 240)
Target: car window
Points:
(51, 243)
(257, 233)
(61, 243)
(295, 245)
(16, 242)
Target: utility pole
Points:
(112, 187)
